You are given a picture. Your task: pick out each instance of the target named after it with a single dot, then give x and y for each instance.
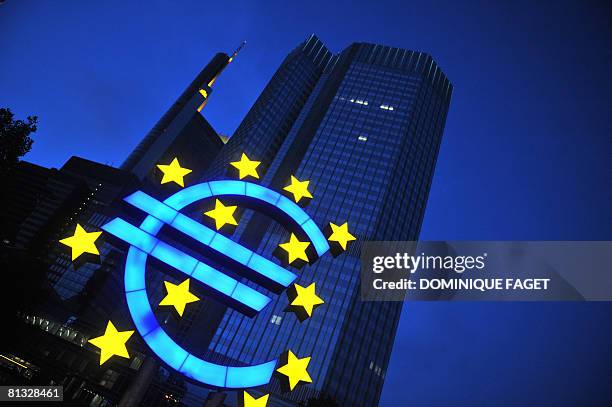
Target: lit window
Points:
(136, 363)
(276, 319)
(359, 102)
(362, 138)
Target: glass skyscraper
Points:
(364, 126)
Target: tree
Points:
(15, 140)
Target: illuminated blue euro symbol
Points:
(143, 242)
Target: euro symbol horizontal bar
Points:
(212, 239)
(187, 264)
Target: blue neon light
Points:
(151, 225)
(262, 193)
(168, 350)
(215, 279)
(292, 210)
(175, 258)
(193, 229)
(134, 281)
(250, 297)
(144, 242)
(228, 187)
(181, 261)
(231, 249)
(248, 376)
(143, 316)
(189, 195)
(204, 371)
(318, 240)
(210, 238)
(131, 234)
(174, 355)
(152, 206)
(271, 270)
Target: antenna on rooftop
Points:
(242, 44)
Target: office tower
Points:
(43, 205)
(182, 129)
(35, 199)
(36, 202)
(106, 185)
(364, 126)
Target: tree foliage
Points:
(15, 140)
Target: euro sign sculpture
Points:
(143, 243)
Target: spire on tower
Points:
(242, 44)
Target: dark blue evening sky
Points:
(526, 153)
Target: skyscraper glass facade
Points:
(364, 126)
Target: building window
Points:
(109, 379)
(276, 319)
(386, 107)
(377, 369)
(136, 363)
(362, 138)
(359, 101)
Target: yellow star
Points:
(246, 167)
(340, 234)
(306, 298)
(295, 249)
(295, 370)
(173, 172)
(82, 242)
(112, 343)
(298, 188)
(178, 296)
(250, 401)
(222, 214)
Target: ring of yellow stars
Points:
(223, 215)
(178, 296)
(112, 343)
(298, 188)
(295, 249)
(306, 298)
(173, 172)
(295, 370)
(82, 242)
(250, 401)
(340, 234)
(246, 167)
